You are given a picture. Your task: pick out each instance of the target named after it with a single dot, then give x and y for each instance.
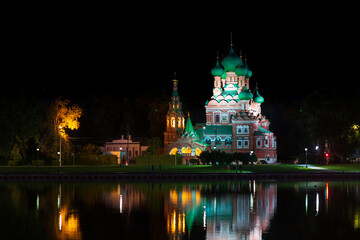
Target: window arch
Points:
(207, 141)
(218, 141)
(238, 129)
(228, 142)
(217, 118)
(172, 122)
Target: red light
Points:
(327, 154)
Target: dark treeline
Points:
(331, 114)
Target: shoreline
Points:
(176, 176)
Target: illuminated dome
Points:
(249, 72)
(241, 70)
(245, 94)
(258, 98)
(231, 61)
(217, 71)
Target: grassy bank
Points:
(281, 168)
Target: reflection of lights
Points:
(215, 205)
(327, 191)
(183, 222)
(173, 196)
(317, 204)
(306, 203)
(120, 203)
(58, 201)
(69, 224)
(357, 220)
(173, 227)
(60, 221)
(37, 202)
(204, 218)
(251, 202)
(176, 223)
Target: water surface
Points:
(180, 210)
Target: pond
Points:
(180, 210)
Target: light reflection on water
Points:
(207, 210)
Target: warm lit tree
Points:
(60, 113)
(67, 116)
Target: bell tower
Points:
(175, 120)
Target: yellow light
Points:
(173, 151)
(186, 150)
(173, 196)
(198, 152)
(183, 222)
(172, 122)
(173, 226)
(357, 220)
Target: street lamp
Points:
(252, 162)
(60, 146)
(215, 153)
(306, 157)
(37, 153)
(120, 149)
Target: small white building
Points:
(125, 149)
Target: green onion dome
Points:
(241, 70)
(249, 72)
(258, 98)
(223, 76)
(217, 71)
(231, 61)
(245, 94)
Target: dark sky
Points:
(290, 56)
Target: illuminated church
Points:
(234, 122)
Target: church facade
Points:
(234, 122)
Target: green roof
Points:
(264, 130)
(189, 127)
(231, 92)
(217, 130)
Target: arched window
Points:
(266, 142)
(172, 122)
(208, 141)
(228, 142)
(218, 141)
(217, 118)
(239, 129)
(246, 129)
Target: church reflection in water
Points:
(233, 210)
(209, 210)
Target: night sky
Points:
(77, 56)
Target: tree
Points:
(60, 113)
(205, 157)
(20, 122)
(331, 114)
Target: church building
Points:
(234, 122)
